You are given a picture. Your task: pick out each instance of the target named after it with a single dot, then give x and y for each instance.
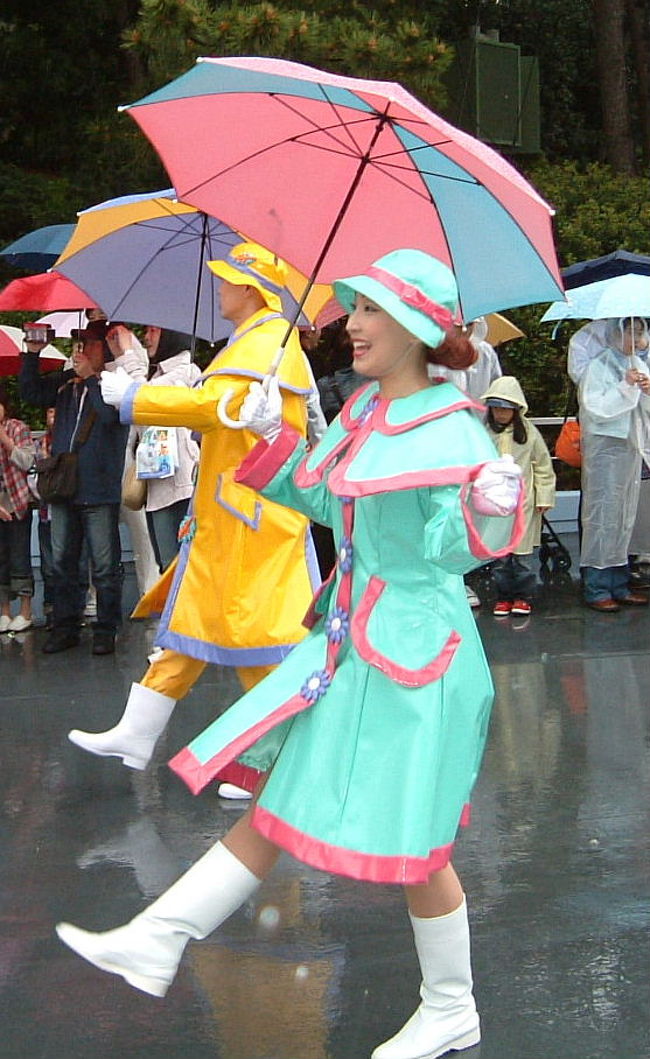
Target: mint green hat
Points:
(414, 288)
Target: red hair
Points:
(456, 352)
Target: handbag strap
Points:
(81, 434)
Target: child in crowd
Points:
(516, 436)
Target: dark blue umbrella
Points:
(619, 263)
(38, 250)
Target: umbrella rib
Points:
(298, 138)
(240, 162)
(340, 122)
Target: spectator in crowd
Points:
(93, 512)
(340, 380)
(475, 379)
(614, 397)
(16, 578)
(169, 487)
(129, 353)
(514, 435)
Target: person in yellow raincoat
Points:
(219, 599)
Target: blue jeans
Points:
(16, 578)
(163, 530)
(97, 524)
(610, 583)
(514, 578)
(47, 568)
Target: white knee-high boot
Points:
(146, 951)
(135, 735)
(446, 1019)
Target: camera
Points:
(38, 332)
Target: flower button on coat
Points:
(345, 555)
(337, 625)
(316, 685)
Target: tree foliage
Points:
(66, 66)
(389, 41)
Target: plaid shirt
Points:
(14, 478)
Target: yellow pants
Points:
(174, 674)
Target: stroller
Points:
(554, 557)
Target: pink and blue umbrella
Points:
(331, 172)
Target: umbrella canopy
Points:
(46, 290)
(331, 172)
(11, 344)
(38, 250)
(500, 329)
(619, 263)
(622, 296)
(64, 323)
(143, 257)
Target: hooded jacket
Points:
(533, 457)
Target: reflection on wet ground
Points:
(556, 865)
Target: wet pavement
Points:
(556, 865)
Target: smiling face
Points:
(384, 350)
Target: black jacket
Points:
(101, 457)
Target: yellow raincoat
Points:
(246, 570)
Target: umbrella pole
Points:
(275, 363)
(199, 278)
(363, 164)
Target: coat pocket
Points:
(238, 500)
(387, 621)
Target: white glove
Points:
(114, 385)
(261, 410)
(497, 486)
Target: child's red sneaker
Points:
(501, 609)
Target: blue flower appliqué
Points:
(316, 685)
(368, 410)
(337, 625)
(345, 555)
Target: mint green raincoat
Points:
(373, 728)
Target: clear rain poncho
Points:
(615, 437)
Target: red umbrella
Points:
(46, 291)
(11, 344)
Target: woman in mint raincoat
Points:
(372, 730)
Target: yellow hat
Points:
(252, 264)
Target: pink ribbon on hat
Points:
(413, 297)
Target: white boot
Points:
(446, 1020)
(135, 735)
(146, 951)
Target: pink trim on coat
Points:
(197, 775)
(314, 615)
(342, 486)
(345, 415)
(476, 544)
(263, 462)
(409, 678)
(305, 476)
(368, 867)
(380, 423)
